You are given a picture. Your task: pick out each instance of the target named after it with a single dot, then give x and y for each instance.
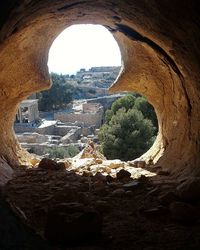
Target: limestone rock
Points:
(49, 164)
(132, 164)
(160, 56)
(123, 174)
(81, 163)
(141, 164)
(34, 161)
(90, 151)
(189, 190)
(113, 164)
(99, 161)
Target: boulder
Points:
(123, 174)
(63, 164)
(189, 190)
(49, 164)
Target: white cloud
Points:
(83, 46)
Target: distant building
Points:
(105, 69)
(28, 111)
(88, 114)
(100, 77)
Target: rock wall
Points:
(159, 42)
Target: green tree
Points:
(147, 109)
(130, 101)
(126, 102)
(127, 135)
(58, 96)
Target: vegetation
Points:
(129, 130)
(58, 96)
(61, 153)
(147, 110)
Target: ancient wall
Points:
(63, 130)
(89, 119)
(21, 128)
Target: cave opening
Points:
(84, 61)
(58, 203)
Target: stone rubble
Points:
(82, 199)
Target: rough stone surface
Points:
(158, 62)
(52, 203)
(69, 223)
(14, 234)
(189, 190)
(6, 172)
(118, 192)
(167, 198)
(184, 212)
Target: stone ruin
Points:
(67, 128)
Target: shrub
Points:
(130, 128)
(57, 152)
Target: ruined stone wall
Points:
(89, 119)
(21, 128)
(63, 130)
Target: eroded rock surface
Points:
(159, 42)
(100, 211)
(6, 172)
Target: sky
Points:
(83, 46)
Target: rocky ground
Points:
(90, 203)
